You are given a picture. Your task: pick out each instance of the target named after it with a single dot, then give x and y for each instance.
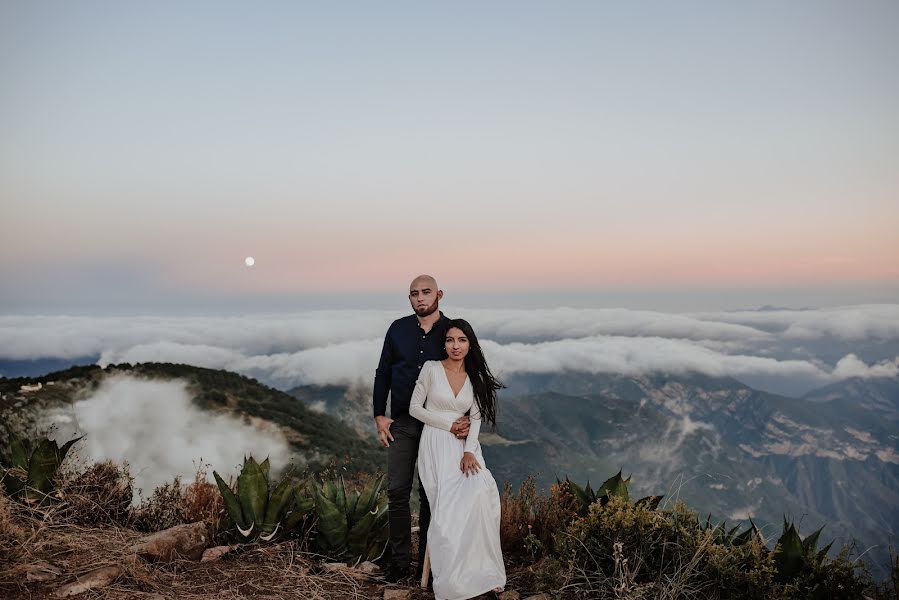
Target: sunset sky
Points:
(748, 153)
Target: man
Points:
(410, 341)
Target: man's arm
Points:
(383, 378)
(383, 375)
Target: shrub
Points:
(529, 520)
(99, 495)
(622, 550)
(163, 509)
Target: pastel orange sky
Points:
(147, 150)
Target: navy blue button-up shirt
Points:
(406, 348)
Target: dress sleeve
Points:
(471, 442)
(417, 404)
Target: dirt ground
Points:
(50, 555)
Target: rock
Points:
(510, 595)
(181, 541)
(397, 594)
(41, 571)
(369, 568)
(215, 553)
(335, 566)
(89, 581)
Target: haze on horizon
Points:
(696, 156)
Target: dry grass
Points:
(46, 536)
(11, 533)
(530, 520)
(175, 503)
(99, 495)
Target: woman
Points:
(463, 537)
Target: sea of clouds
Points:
(780, 350)
(156, 428)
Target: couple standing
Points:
(435, 373)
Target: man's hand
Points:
(383, 426)
(469, 464)
(460, 427)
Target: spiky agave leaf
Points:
(358, 535)
(731, 535)
(252, 490)
(748, 535)
(368, 499)
(352, 501)
(18, 451)
(822, 554)
(266, 467)
(810, 543)
(340, 498)
(232, 505)
(580, 496)
(789, 557)
(277, 505)
(380, 535)
(615, 486)
(64, 450)
(41, 469)
(332, 525)
(298, 510)
(588, 491)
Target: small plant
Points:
(614, 487)
(529, 520)
(729, 537)
(258, 511)
(31, 476)
(793, 555)
(351, 527)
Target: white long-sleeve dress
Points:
(463, 537)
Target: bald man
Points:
(410, 341)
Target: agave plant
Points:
(792, 555)
(614, 487)
(259, 512)
(351, 527)
(32, 473)
(729, 537)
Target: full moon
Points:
(250, 261)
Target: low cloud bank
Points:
(342, 347)
(353, 363)
(154, 426)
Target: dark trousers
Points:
(401, 456)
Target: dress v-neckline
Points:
(446, 378)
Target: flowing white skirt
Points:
(463, 537)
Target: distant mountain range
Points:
(828, 458)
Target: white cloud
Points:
(155, 427)
(343, 346)
(851, 366)
(852, 323)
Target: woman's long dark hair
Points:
(482, 380)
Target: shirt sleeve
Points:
(419, 395)
(383, 377)
(471, 442)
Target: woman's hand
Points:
(469, 464)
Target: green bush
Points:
(635, 551)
